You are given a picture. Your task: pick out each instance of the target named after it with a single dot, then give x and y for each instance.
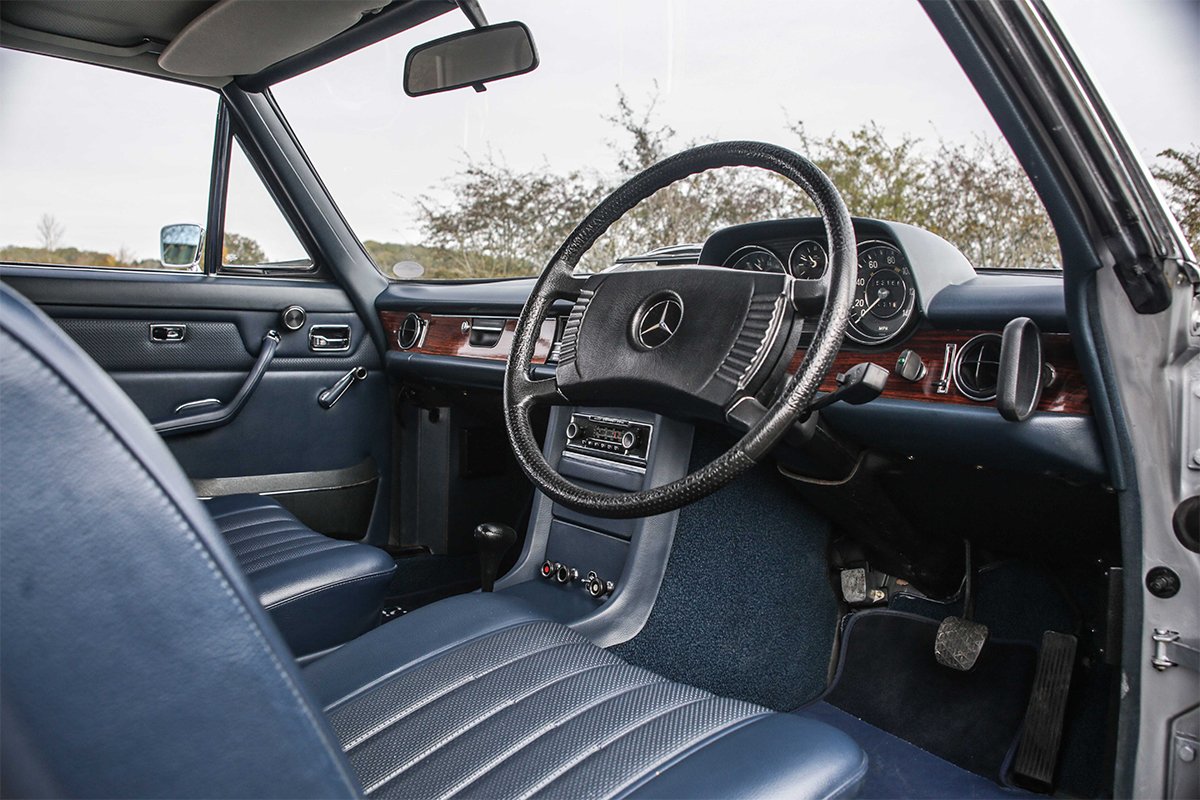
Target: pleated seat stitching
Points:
(292, 533)
(685, 752)
(391, 721)
(610, 737)
(607, 741)
(362, 692)
(266, 506)
(248, 564)
(276, 520)
(648, 677)
(486, 715)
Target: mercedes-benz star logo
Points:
(659, 322)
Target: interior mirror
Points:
(179, 245)
(470, 58)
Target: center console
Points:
(599, 575)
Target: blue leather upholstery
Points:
(137, 660)
(321, 592)
(478, 696)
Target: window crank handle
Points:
(330, 396)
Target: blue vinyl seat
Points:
(137, 661)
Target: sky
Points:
(114, 157)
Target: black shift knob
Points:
(493, 541)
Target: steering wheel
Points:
(693, 341)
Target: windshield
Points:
(467, 185)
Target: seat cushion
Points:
(478, 696)
(321, 592)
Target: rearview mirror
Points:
(470, 58)
(179, 245)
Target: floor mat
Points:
(745, 609)
(896, 768)
(889, 679)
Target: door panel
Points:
(282, 435)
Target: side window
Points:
(257, 236)
(95, 163)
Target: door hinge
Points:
(1169, 652)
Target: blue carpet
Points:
(746, 609)
(899, 769)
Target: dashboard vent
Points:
(977, 367)
(411, 332)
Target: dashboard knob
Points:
(910, 367)
(628, 440)
(572, 430)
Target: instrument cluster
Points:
(884, 295)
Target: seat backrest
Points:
(134, 660)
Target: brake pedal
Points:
(959, 642)
(1037, 752)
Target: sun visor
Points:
(243, 37)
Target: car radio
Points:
(609, 438)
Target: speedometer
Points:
(754, 258)
(884, 294)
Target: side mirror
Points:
(179, 245)
(470, 58)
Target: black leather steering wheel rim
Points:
(557, 282)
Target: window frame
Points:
(229, 131)
(225, 130)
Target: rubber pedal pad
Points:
(959, 642)
(1037, 752)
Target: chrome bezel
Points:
(958, 358)
(741, 252)
(419, 339)
(824, 252)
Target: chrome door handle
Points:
(329, 338)
(167, 332)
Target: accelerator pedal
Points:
(1037, 752)
(959, 642)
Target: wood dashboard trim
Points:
(1067, 394)
(449, 335)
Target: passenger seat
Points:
(320, 592)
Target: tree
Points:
(241, 250)
(500, 221)
(50, 232)
(1181, 178)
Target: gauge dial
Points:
(884, 294)
(808, 260)
(754, 258)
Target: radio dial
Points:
(572, 430)
(628, 440)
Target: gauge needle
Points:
(883, 293)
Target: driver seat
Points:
(137, 661)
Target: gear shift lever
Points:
(493, 541)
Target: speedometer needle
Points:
(883, 293)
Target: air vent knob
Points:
(910, 367)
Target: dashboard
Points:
(920, 310)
